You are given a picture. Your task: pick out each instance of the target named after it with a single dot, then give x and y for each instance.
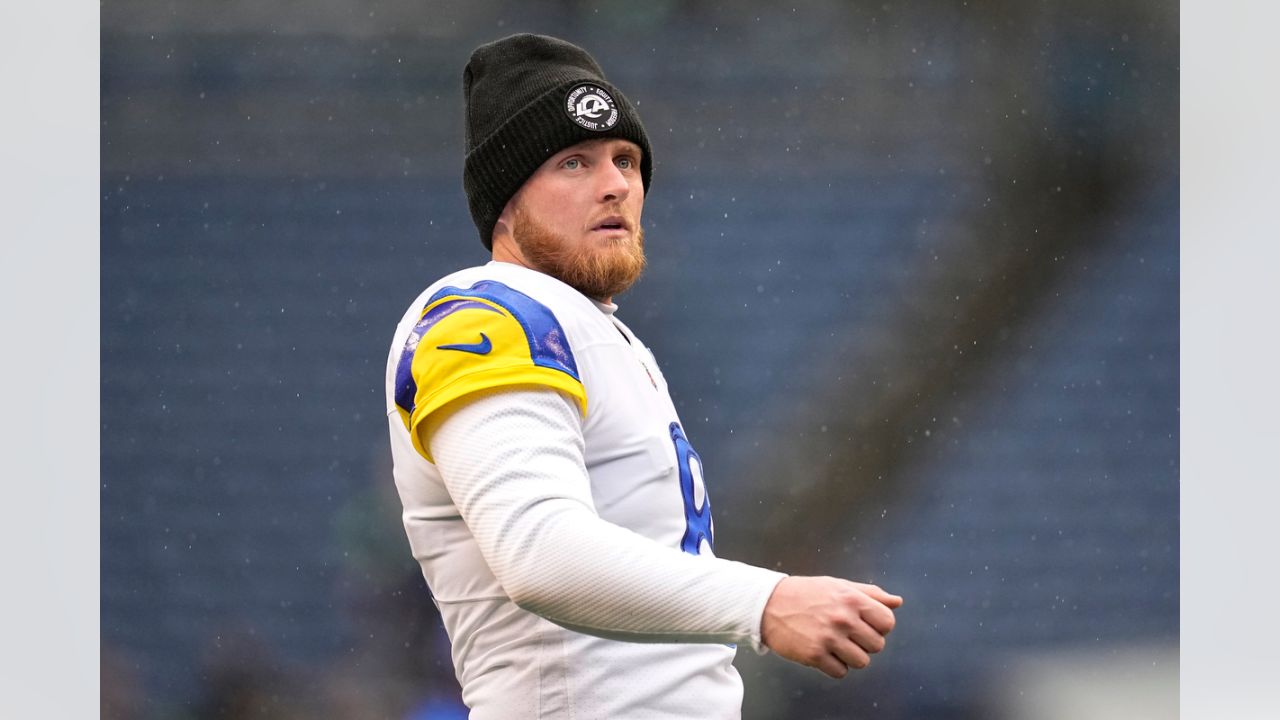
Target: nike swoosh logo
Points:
(481, 348)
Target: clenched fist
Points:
(827, 623)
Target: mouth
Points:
(612, 224)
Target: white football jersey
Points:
(622, 554)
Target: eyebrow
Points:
(613, 144)
(626, 147)
(622, 146)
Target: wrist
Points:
(760, 640)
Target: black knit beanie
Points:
(529, 97)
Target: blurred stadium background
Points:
(914, 282)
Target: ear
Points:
(506, 221)
(501, 231)
(504, 245)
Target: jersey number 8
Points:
(697, 506)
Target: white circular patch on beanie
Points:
(591, 107)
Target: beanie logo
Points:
(591, 107)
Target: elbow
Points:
(530, 593)
(541, 564)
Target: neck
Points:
(505, 250)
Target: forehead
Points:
(611, 145)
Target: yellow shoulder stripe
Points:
(476, 340)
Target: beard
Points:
(596, 269)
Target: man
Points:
(550, 492)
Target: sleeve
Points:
(513, 464)
(486, 337)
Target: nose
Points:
(613, 185)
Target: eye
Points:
(625, 163)
(571, 164)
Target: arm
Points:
(513, 463)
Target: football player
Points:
(551, 494)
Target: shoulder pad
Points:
(484, 337)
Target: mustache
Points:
(615, 211)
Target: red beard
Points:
(597, 270)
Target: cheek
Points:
(553, 215)
(636, 198)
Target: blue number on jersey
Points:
(697, 520)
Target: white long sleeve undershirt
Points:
(513, 463)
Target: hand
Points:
(827, 623)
